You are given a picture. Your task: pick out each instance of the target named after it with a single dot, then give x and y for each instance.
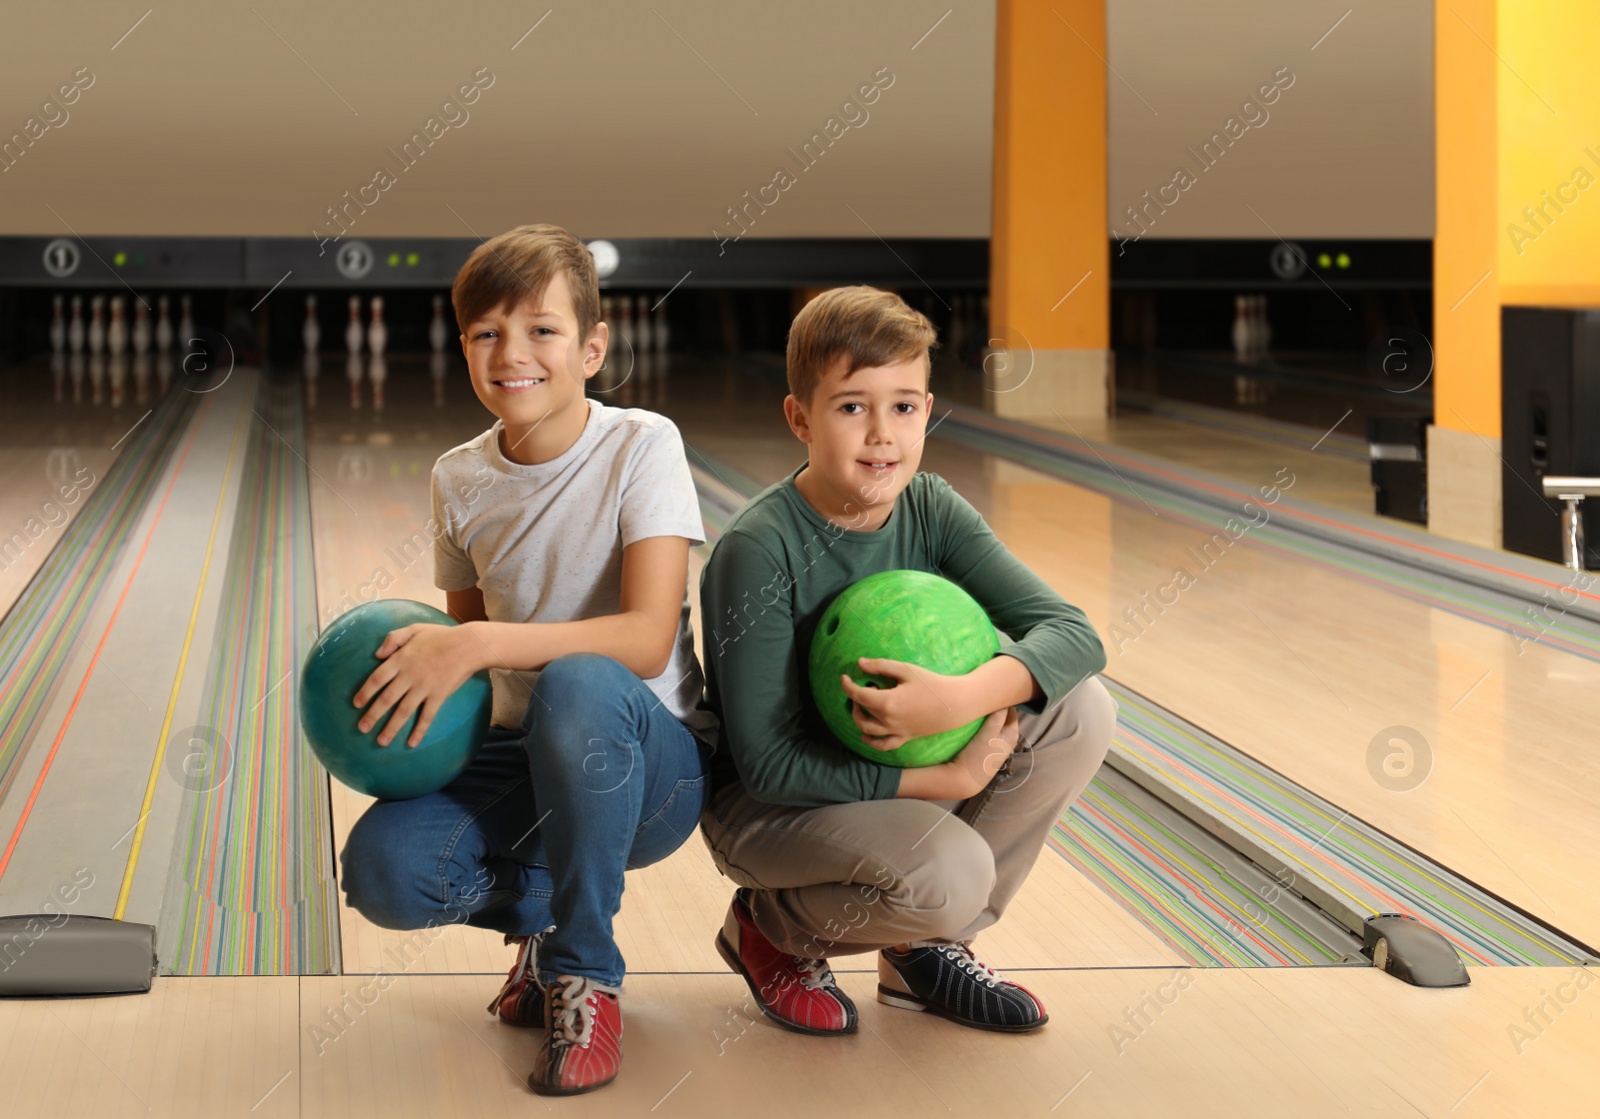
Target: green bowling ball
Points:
(339, 663)
(909, 616)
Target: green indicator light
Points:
(1344, 260)
(413, 259)
(394, 260)
(120, 259)
(138, 258)
(1323, 260)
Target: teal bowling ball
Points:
(909, 616)
(339, 663)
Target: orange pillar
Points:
(1050, 270)
(1464, 443)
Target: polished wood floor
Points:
(1226, 1043)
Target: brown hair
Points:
(869, 326)
(520, 264)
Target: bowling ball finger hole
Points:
(832, 626)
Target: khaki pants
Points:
(857, 877)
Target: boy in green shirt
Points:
(836, 854)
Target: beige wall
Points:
(205, 121)
(1347, 150)
(208, 119)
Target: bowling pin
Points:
(660, 335)
(438, 333)
(141, 327)
(641, 331)
(352, 330)
(311, 331)
(75, 327)
(163, 327)
(625, 324)
(97, 326)
(378, 373)
(352, 373)
(185, 321)
(117, 331)
(118, 366)
(58, 328)
(377, 333)
(1241, 329)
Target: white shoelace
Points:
(572, 1016)
(961, 954)
(814, 974)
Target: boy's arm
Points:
(755, 667)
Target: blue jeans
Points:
(538, 830)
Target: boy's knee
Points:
(378, 882)
(1096, 711)
(953, 880)
(571, 682)
(579, 696)
(1087, 716)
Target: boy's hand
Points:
(422, 667)
(989, 749)
(919, 703)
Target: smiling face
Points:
(528, 363)
(865, 432)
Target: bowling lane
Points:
(1310, 670)
(143, 729)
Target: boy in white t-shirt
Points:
(562, 543)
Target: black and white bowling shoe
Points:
(950, 981)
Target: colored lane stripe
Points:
(183, 663)
(79, 569)
(250, 888)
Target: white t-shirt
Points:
(544, 542)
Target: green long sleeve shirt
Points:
(778, 565)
